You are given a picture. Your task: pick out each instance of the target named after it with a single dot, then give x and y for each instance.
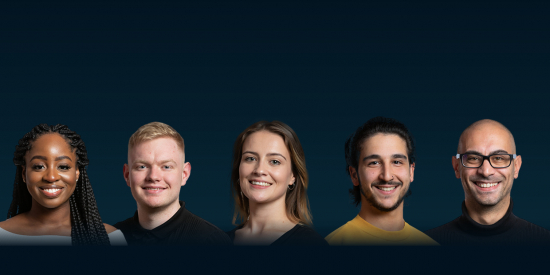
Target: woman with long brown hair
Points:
(269, 181)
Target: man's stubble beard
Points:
(370, 199)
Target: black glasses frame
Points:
(459, 156)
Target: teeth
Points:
(51, 190)
(386, 188)
(261, 183)
(486, 185)
(154, 189)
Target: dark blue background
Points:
(210, 69)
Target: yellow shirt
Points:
(360, 232)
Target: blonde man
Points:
(155, 172)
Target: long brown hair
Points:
(296, 202)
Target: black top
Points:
(298, 235)
(510, 230)
(184, 228)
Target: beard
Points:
(376, 204)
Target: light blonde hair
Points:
(296, 202)
(155, 130)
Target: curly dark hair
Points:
(372, 127)
(86, 225)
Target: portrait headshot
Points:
(487, 164)
(269, 182)
(53, 201)
(380, 160)
(155, 172)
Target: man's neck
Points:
(389, 221)
(151, 218)
(487, 215)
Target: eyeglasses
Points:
(472, 160)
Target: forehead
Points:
(50, 143)
(487, 139)
(384, 144)
(264, 141)
(157, 149)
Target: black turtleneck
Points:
(509, 230)
(184, 228)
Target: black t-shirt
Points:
(184, 228)
(510, 230)
(298, 235)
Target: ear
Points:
(23, 173)
(456, 164)
(126, 173)
(517, 165)
(353, 175)
(77, 173)
(411, 171)
(186, 173)
(292, 180)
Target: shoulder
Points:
(447, 228)
(304, 235)
(125, 224)
(14, 224)
(337, 236)
(529, 228)
(419, 238)
(198, 227)
(199, 223)
(447, 233)
(231, 233)
(116, 237)
(109, 228)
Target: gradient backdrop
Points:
(210, 69)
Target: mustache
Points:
(393, 183)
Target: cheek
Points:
(69, 178)
(173, 178)
(369, 176)
(244, 170)
(136, 177)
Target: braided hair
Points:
(86, 225)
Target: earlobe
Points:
(77, 174)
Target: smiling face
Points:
(487, 186)
(155, 172)
(50, 171)
(383, 173)
(265, 172)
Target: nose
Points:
(51, 175)
(154, 174)
(486, 169)
(386, 174)
(260, 168)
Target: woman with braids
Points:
(269, 182)
(53, 202)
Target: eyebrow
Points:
(56, 159)
(499, 151)
(395, 156)
(269, 154)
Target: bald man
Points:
(487, 164)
